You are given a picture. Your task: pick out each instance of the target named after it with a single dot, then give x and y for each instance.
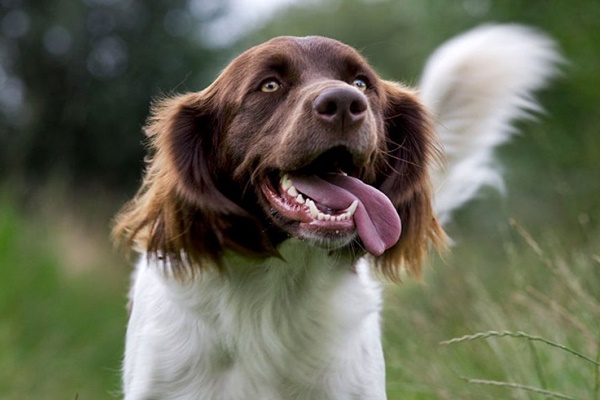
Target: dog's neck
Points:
(300, 270)
(296, 257)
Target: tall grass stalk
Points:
(518, 386)
(489, 334)
(538, 365)
(597, 376)
(530, 338)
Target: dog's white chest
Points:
(304, 329)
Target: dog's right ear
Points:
(183, 132)
(179, 214)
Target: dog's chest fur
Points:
(301, 327)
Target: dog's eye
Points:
(360, 84)
(270, 86)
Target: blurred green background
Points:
(76, 79)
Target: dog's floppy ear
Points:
(179, 208)
(182, 130)
(411, 149)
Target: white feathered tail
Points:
(476, 85)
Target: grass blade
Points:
(489, 334)
(597, 376)
(518, 386)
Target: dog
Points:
(275, 199)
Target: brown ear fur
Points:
(411, 151)
(179, 209)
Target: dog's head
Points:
(298, 137)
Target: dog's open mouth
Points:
(333, 208)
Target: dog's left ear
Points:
(411, 149)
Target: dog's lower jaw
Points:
(302, 327)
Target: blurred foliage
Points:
(77, 77)
(61, 329)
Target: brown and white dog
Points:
(272, 196)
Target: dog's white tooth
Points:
(321, 216)
(300, 199)
(314, 211)
(352, 209)
(292, 191)
(285, 182)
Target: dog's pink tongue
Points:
(376, 219)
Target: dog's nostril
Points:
(325, 106)
(340, 106)
(358, 106)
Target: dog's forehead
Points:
(307, 45)
(304, 53)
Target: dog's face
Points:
(307, 107)
(297, 137)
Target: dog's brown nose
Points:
(341, 107)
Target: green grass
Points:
(530, 310)
(61, 332)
